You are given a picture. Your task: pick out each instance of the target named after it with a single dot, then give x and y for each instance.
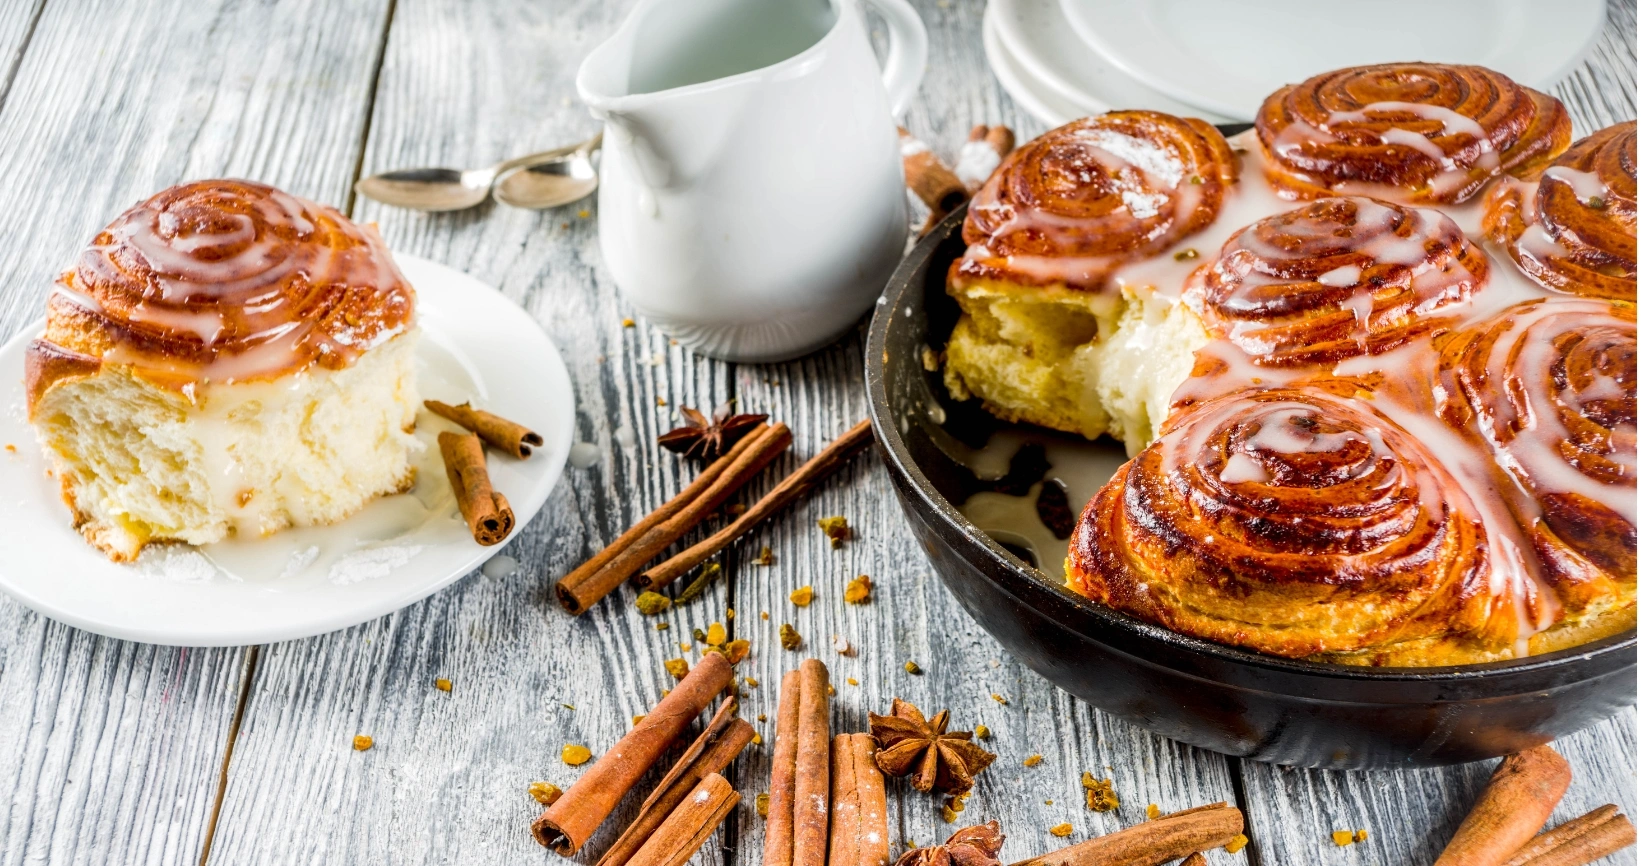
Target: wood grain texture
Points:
(1604, 90)
(17, 21)
(113, 749)
(127, 739)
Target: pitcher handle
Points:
(907, 51)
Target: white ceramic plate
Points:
(1052, 57)
(1226, 56)
(1043, 104)
(476, 345)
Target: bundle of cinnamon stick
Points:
(624, 559)
(685, 807)
(484, 509)
(1518, 799)
(827, 805)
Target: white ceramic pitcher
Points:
(752, 202)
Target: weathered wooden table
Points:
(114, 752)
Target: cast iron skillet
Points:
(1196, 691)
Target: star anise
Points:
(924, 749)
(970, 846)
(708, 439)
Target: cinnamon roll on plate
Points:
(1377, 416)
(225, 359)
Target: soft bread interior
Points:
(139, 463)
(1074, 361)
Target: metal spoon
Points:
(550, 184)
(447, 189)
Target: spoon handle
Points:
(547, 155)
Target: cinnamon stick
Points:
(859, 804)
(715, 748)
(1168, 838)
(926, 176)
(778, 839)
(1590, 837)
(485, 510)
(813, 766)
(843, 848)
(1517, 800)
(689, 824)
(602, 573)
(833, 457)
(501, 433)
(568, 823)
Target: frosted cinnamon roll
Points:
(1423, 133)
(224, 358)
(1574, 228)
(1550, 387)
(1295, 523)
(1335, 278)
(1080, 201)
(1046, 236)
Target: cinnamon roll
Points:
(1047, 234)
(1423, 133)
(1296, 523)
(224, 358)
(1335, 278)
(1574, 228)
(1550, 387)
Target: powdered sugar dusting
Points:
(177, 565)
(372, 563)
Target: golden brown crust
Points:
(1293, 522)
(1336, 278)
(45, 364)
(1423, 133)
(1574, 229)
(1080, 201)
(227, 280)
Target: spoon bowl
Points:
(551, 184)
(429, 189)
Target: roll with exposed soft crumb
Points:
(225, 359)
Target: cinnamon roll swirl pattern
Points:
(1424, 133)
(1083, 200)
(1336, 278)
(227, 280)
(1293, 522)
(1550, 387)
(1574, 229)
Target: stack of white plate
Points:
(1218, 59)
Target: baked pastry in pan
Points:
(225, 359)
(1401, 423)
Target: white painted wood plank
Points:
(17, 22)
(113, 749)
